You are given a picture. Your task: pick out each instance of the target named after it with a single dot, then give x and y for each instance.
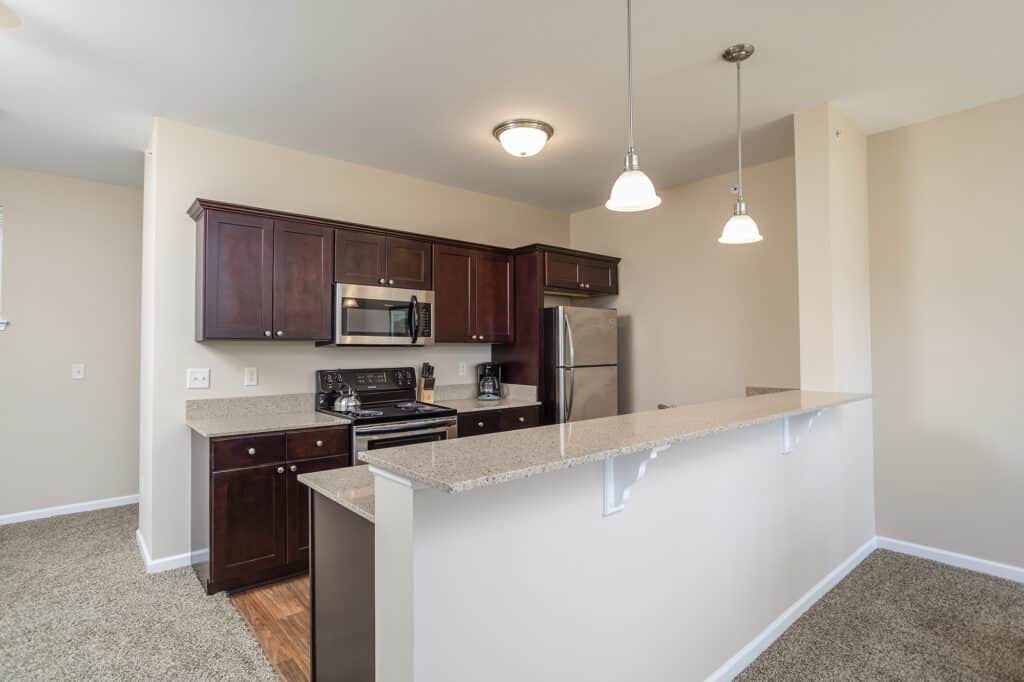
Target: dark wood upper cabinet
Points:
(298, 504)
(360, 257)
(493, 304)
(370, 258)
(473, 296)
(248, 521)
(234, 276)
(572, 272)
(303, 280)
(453, 294)
(259, 278)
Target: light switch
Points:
(251, 376)
(197, 378)
(78, 370)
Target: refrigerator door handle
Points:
(572, 393)
(568, 336)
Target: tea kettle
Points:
(348, 401)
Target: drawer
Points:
(519, 417)
(243, 451)
(476, 423)
(318, 443)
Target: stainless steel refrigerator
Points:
(581, 363)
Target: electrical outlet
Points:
(78, 370)
(251, 377)
(197, 378)
(462, 369)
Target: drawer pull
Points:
(480, 425)
(293, 468)
(252, 451)
(280, 470)
(522, 420)
(319, 443)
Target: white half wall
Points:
(186, 162)
(529, 581)
(71, 262)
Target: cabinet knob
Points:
(319, 443)
(522, 420)
(280, 332)
(481, 337)
(382, 281)
(293, 468)
(252, 451)
(480, 425)
(588, 285)
(582, 285)
(267, 333)
(391, 281)
(280, 470)
(474, 337)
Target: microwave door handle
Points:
(414, 318)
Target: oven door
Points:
(401, 433)
(374, 316)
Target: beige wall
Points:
(946, 244)
(698, 320)
(834, 264)
(71, 257)
(188, 162)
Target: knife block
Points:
(426, 390)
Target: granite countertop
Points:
(351, 487)
(467, 463)
(474, 405)
(213, 427)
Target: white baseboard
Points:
(738, 663)
(34, 514)
(1005, 571)
(166, 563)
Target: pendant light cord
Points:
(629, 70)
(739, 134)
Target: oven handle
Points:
(404, 426)
(418, 432)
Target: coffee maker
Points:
(488, 381)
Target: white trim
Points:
(165, 563)
(943, 556)
(77, 508)
(395, 478)
(739, 662)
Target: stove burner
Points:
(407, 406)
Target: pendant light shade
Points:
(741, 228)
(633, 191)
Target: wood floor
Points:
(279, 615)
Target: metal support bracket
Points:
(791, 431)
(621, 474)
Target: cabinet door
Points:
(561, 271)
(519, 418)
(236, 273)
(598, 275)
(302, 281)
(360, 257)
(248, 519)
(453, 294)
(493, 307)
(409, 263)
(298, 504)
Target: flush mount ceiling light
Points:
(741, 228)
(633, 191)
(523, 136)
(8, 19)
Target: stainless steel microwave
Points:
(382, 316)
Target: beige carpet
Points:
(897, 617)
(76, 603)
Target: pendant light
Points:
(741, 228)
(633, 191)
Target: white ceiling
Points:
(415, 87)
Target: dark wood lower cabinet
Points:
(493, 421)
(250, 516)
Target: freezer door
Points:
(586, 393)
(587, 336)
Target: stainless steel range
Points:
(383, 408)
